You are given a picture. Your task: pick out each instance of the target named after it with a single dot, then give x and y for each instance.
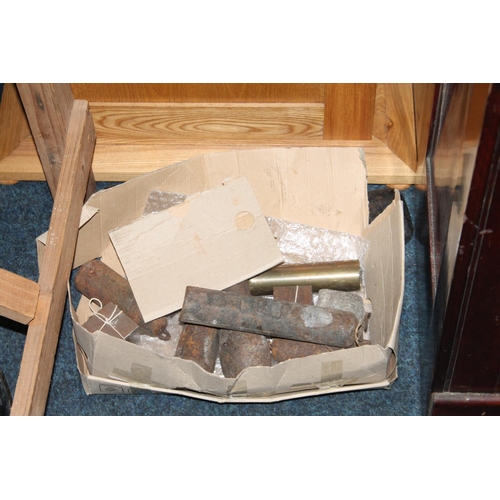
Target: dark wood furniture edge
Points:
(465, 323)
(464, 404)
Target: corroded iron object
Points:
(95, 279)
(341, 275)
(346, 301)
(268, 317)
(199, 344)
(283, 349)
(240, 350)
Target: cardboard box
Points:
(323, 187)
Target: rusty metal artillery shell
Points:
(199, 344)
(341, 275)
(240, 350)
(268, 317)
(95, 279)
(283, 349)
(346, 301)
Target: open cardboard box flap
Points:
(323, 187)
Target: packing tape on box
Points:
(138, 373)
(331, 371)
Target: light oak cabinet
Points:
(142, 127)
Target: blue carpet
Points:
(25, 213)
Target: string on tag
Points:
(106, 321)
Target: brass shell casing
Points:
(339, 275)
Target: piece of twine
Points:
(106, 321)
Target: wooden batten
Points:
(18, 297)
(43, 331)
(48, 108)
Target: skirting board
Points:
(121, 162)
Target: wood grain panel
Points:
(13, 123)
(199, 92)
(380, 114)
(43, 332)
(402, 119)
(120, 162)
(349, 111)
(399, 131)
(158, 123)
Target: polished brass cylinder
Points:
(340, 275)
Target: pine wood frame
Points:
(41, 304)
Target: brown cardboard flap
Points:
(99, 385)
(384, 274)
(366, 365)
(324, 187)
(215, 239)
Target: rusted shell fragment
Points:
(268, 317)
(346, 301)
(283, 349)
(95, 279)
(199, 344)
(240, 350)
